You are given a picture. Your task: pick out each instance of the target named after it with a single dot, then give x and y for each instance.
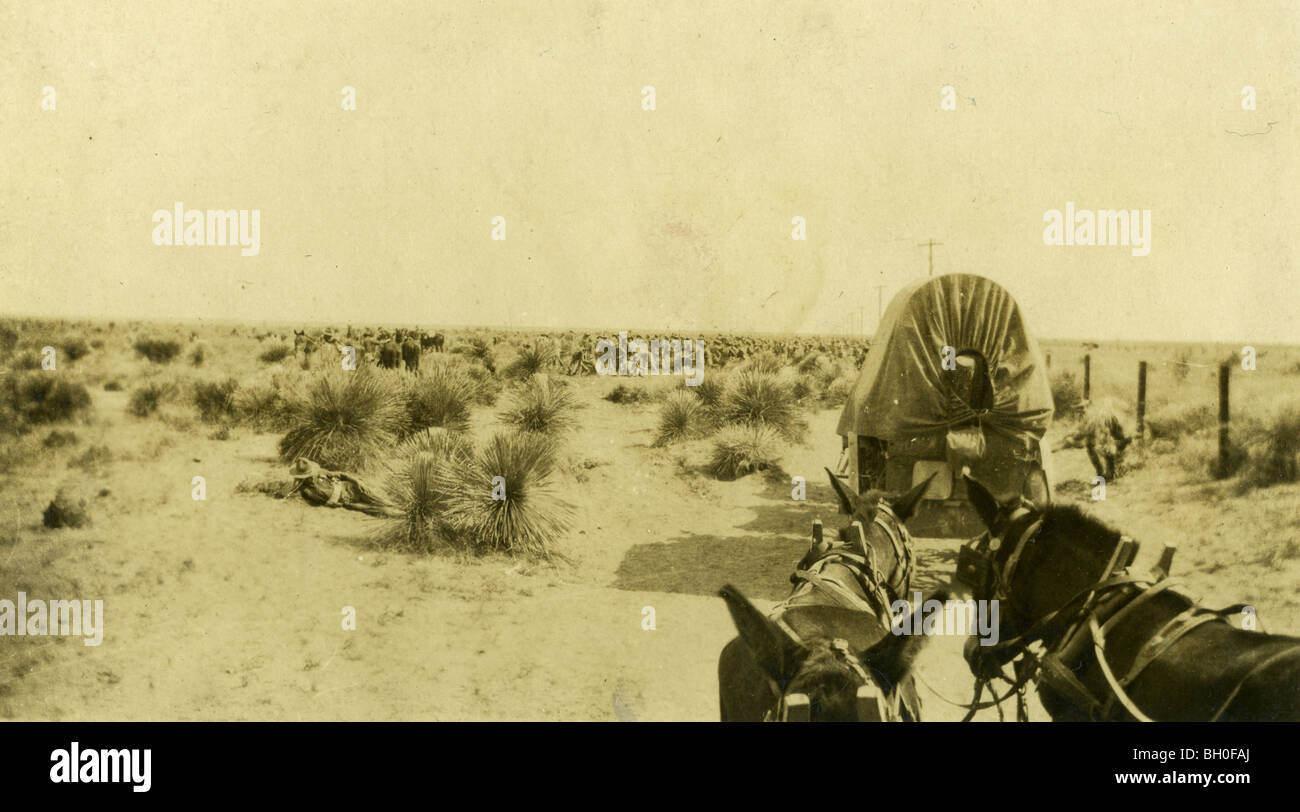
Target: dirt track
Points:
(230, 608)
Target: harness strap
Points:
(1009, 570)
(1146, 595)
(903, 554)
(842, 594)
(1170, 633)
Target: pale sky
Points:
(677, 218)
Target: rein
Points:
(1066, 623)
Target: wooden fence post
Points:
(1224, 417)
(1087, 377)
(1142, 400)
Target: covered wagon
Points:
(954, 381)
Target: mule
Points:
(829, 643)
(390, 354)
(411, 355)
(1117, 646)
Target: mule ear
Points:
(894, 656)
(907, 503)
(773, 648)
(986, 504)
(848, 500)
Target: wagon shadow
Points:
(761, 555)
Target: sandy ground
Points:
(230, 608)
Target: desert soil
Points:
(230, 608)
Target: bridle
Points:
(1081, 615)
(871, 705)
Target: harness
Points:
(1087, 617)
(874, 600)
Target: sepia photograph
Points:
(581, 361)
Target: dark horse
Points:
(827, 654)
(1116, 646)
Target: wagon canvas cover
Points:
(903, 392)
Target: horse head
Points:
(838, 682)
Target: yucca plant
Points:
(421, 477)
(541, 406)
(440, 398)
(502, 499)
(743, 449)
(680, 418)
(759, 397)
(344, 420)
(532, 360)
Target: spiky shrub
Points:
(680, 418)
(276, 352)
(8, 338)
(711, 390)
(533, 360)
(41, 397)
(424, 473)
(766, 362)
(541, 406)
(215, 399)
(344, 420)
(157, 350)
(1273, 452)
(518, 513)
(1067, 395)
(758, 397)
(441, 398)
(743, 449)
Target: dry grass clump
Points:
(157, 350)
(744, 449)
(40, 397)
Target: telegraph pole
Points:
(931, 244)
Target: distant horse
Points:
(1116, 646)
(829, 644)
(390, 354)
(411, 354)
(433, 342)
